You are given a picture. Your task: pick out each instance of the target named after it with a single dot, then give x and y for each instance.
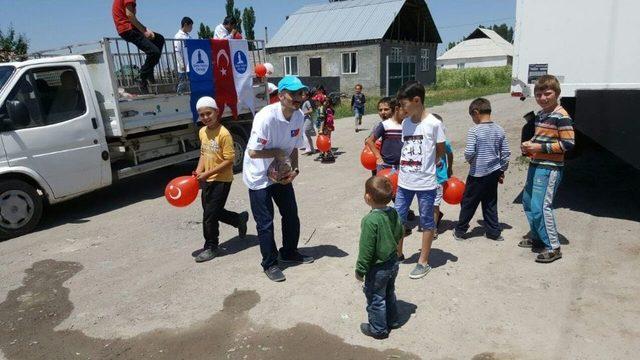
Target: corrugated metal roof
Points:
(352, 20)
(491, 45)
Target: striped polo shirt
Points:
(554, 131)
(487, 149)
(391, 134)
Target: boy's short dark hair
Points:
(186, 21)
(546, 82)
(230, 20)
(379, 189)
(389, 101)
(411, 89)
(481, 105)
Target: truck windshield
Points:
(5, 72)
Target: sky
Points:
(51, 24)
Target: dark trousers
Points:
(380, 290)
(262, 208)
(214, 197)
(152, 48)
(481, 190)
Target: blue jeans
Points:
(182, 82)
(262, 208)
(404, 197)
(537, 200)
(380, 290)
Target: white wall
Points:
(473, 62)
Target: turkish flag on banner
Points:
(223, 75)
(242, 72)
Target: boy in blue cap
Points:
(276, 135)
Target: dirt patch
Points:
(30, 313)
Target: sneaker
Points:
(242, 224)
(401, 258)
(395, 325)
(275, 274)
(206, 255)
(296, 258)
(366, 330)
(498, 238)
(197, 252)
(407, 231)
(458, 236)
(420, 271)
(411, 215)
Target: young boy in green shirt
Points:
(377, 263)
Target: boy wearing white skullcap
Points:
(215, 173)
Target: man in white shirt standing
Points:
(276, 134)
(182, 59)
(226, 30)
(423, 142)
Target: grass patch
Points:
(452, 85)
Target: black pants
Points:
(481, 190)
(262, 208)
(152, 48)
(214, 197)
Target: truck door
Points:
(49, 124)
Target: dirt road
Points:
(110, 275)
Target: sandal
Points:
(526, 243)
(549, 256)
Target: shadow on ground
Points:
(30, 314)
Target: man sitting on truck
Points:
(132, 30)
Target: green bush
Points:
(472, 78)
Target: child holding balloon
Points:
(215, 173)
(487, 152)
(326, 128)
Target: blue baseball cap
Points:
(291, 83)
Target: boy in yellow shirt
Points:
(215, 173)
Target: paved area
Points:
(110, 275)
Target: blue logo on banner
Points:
(240, 62)
(201, 76)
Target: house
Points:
(482, 48)
(378, 43)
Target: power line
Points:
(474, 23)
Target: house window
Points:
(424, 59)
(291, 65)
(350, 63)
(396, 54)
(461, 66)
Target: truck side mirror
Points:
(18, 114)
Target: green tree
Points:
(503, 30)
(13, 46)
(249, 21)
(205, 32)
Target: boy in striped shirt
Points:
(487, 153)
(553, 137)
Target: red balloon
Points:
(368, 159)
(392, 175)
(323, 143)
(378, 144)
(182, 191)
(453, 191)
(261, 70)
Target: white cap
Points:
(272, 87)
(206, 101)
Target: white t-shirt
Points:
(270, 130)
(221, 33)
(418, 158)
(181, 50)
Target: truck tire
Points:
(20, 208)
(239, 147)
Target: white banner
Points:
(242, 72)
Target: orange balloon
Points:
(323, 143)
(392, 175)
(453, 190)
(261, 70)
(368, 159)
(182, 191)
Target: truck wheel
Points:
(239, 146)
(20, 208)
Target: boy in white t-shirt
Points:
(424, 142)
